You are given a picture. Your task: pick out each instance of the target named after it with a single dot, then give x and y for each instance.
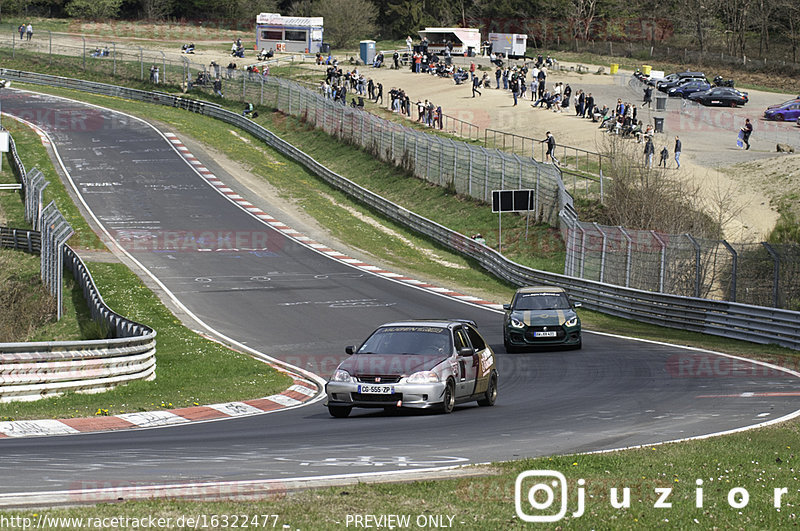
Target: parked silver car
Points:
(415, 364)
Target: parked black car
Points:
(726, 96)
(673, 80)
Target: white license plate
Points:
(545, 334)
(376, 389)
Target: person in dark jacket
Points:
(551, 149)
(678, 152)
(747, 130)
(649, 150)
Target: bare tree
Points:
(346, 21)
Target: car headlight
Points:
(516, 323)
(341, 376)
(572, 322)
(423, 377)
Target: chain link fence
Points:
(760, 274)
(462, 167)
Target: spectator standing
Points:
(472, 70)
(379, 93)
(21, 31)
(218, 87)
(515, 89)
(649, 150)
(678, 152)
(29, 31)
(648, 96)
(664, 156)
(551, 149)
(497, 75)
(589, 108)
(476, 83)
(396, 60)
(409, 42)
(747, 130)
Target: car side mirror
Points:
(506, 307)
(577, 304)
(350, 349)
(465, 352)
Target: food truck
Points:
(509, 44)
(288, 34)
(463, 40)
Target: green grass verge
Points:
(22, 293)
(758, 461)
(191, 370)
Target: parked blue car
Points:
(683, 90)
(788, 111)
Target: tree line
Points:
(737, 27)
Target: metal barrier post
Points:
(776, 273)
(628, 256)
(696, 264)
(734, 260)
(662, 267)
(602, 253)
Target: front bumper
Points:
(524, 337)
(418, 396)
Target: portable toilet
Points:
(367, 52)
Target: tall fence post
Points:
(697, 274)
(734, 272)
(776, 273)
(627, 256)
(663, 263)
(602, 253)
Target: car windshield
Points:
(542, 301)
(410, 340)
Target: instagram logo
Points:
(534, 502)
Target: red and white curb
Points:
(259, 214)
(299, 392)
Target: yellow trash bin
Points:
(614, 68)
(646, 69)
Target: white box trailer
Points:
(464, 40)
(288, 34)
(509, 44)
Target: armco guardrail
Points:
(20, 239)
(751, 323)
(29, 371)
